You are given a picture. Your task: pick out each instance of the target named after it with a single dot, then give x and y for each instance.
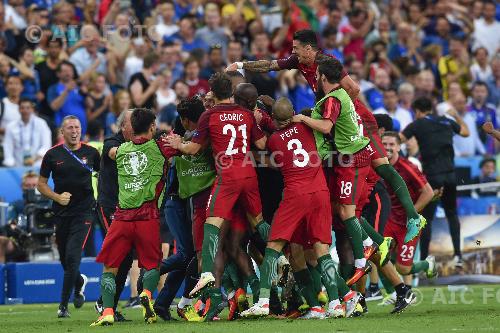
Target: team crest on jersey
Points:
(135, 163)
(84, 160)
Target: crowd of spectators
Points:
(94, 59)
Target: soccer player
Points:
(230, 129)
(305, 209)
(71, 165)
(336, 108)
(305, 57)
(184, 265)
(421, 193)
(142, 165)
(107, 199)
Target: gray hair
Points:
(69, 117)
(121, 118)
(406, 87)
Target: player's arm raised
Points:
(259, 66)
(426, 195)
(321, 125)
(350, 86)
(186, 148)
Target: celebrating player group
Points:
(330, 160)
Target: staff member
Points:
(434, 135)
(71, 165)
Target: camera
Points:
(40, 222)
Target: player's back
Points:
(294, 152)
(368, 121)
(232, 129)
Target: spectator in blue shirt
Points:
(494, 82)
(300, 93)
(438, 32)
(215, 62)
(186, 36)
(182, 8)
(65, 97)
(331, 44)
(483, 112)
(30, 76)
(374, 95)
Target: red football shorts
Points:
(404, 252)
(350, 184)
(143, 236)
(300, 237)
(310, 212)
(238, 219)
(225, 196)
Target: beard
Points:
(319, 93)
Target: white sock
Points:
(360, 263)
(184, 302)
(368, 242)
(263, 301)
(334, 303)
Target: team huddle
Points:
(331, 160)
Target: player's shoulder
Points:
(405, 165)
(303, 129)
(54, 149)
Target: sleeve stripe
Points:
(327, 108)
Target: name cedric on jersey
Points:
(231, 117)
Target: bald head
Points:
(283, 109)
(246, 95)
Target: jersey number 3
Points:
(228, 128)
(296, 146)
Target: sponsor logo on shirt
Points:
(135, 163)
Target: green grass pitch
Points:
(438, 310)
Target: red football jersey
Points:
(370, 127)
(414, 180)
(231, 129)
(294, 151)
(309, 72)
(367, 119)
